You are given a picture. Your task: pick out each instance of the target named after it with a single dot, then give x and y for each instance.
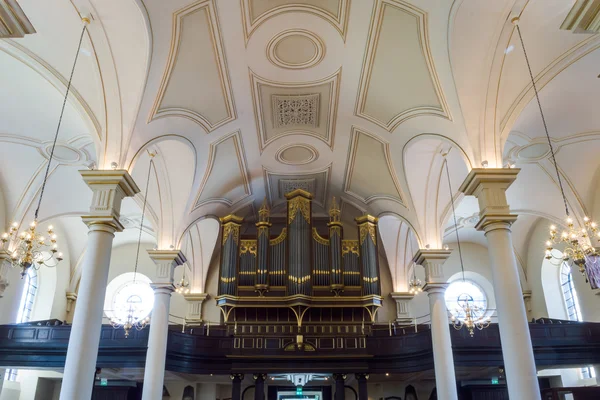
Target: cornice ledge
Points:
(402, 295)
(175, 256)
(196, 296)
(435, 287)
(479, 176)
(423, 255)
(116, 178)
(488, 219)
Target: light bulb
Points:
(5, 235)
(54, 237)
(573, 236)
(552, 227)
(569, 220)
(15, 224)
(41, 239)
(548, 243)
(50, 227)
(594, 224)
(32, 224)
(565, 234)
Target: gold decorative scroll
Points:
(228, 280)
(262, 230)
(248, 246)
(370, 280)
(367, 229)
(279, 238)
(298, 204)
(299, 280)
(349, 246)
(335, 229)
(319, 238)
(231, 229)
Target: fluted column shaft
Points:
(109, 188)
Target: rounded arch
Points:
(198, 242)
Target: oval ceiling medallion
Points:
(295, 49)
(296, 154)
(533, 152)
(63, 153)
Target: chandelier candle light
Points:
(577, 240)
(183, 287)
(415, 286)
(134, 318)
(30, 248)
(468, 314)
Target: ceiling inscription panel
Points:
(226, 179)
(289, 108)
(195, 84)
(398, 79)
(255, 12)
(370, 157)
(295, 49)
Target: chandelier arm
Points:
(537, 96)
(37, 210)
(137, 256)
(455, 223)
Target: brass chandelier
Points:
(415, 286)
(134, 310)
(576, 239)
(468, 314)
(30, 248)
(183, 287)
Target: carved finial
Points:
(334, 211)
(264, 212)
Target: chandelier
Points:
(577, 239)
(30, 249)
(468, 314)
(133, 311)
(415, 286)
(183, 287)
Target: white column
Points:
(109, 188)
(154, 373)
(489, 186)
(435, 286)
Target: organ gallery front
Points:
(299, 274)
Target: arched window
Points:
(461, 288)
(123, 295)
(571, 301)
(25, 308)
(570, 298)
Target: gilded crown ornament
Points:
(29, 248)
(264, 212)
(576, 239)
(334, 211)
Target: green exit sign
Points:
(103, 382)
(494, 380)
(299, 390)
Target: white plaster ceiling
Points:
(239, 98)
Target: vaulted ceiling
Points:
(241, 100)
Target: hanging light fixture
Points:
(467, 314)
(132, 309)
(415, 286)
(30, 248)
(577, 239)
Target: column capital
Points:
(402, 300)
(339, 377)
(109, 188)
(237, 377)
(489, 186)
(361, 376)
(194, 313)
(432, 260)
(71, 298)
(431, 287)
(259, 377)
(166, 261)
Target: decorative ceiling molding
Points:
(398, 60)
(296, 154)
(369, 156)
(254, 12)
(320, 123)
(196, 50)
(227, 152)
(279, 183)
(13, 21)
(296, 45)
(584, 17)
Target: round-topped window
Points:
(124, 296)
(459, 292)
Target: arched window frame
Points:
(481, 301)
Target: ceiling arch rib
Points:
(198, 243)
(400, 244)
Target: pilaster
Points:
(109, 188)
(166, 261)
(402, 300)
(527, 302)
(4, 266)
(71, 299)
(432, 260)
(194, 313)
